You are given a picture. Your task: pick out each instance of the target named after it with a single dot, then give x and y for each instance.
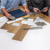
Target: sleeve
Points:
(46, 3)
(30, 5)
(3, 3)
(23, 2)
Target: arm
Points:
(3, 5)
(46, 2)
(23, 2)
(30, 5)
(31, 8)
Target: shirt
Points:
(11, 4)
(41, 4)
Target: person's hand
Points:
(45, 10)
(8, 15)
(27, 11)
(35, 9)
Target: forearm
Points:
(4, 11)
(25, 6)
(47, 3)
(30, 5)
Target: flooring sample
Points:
(16, 24)
(24, 22)
(40, 23)
(14, 20)
(33, 28)
(26, 18)
(21, 33)
(14, 29)
(6, 26)
(30, 21)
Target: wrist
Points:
(6, 13)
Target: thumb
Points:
(10, 15)
(24, 11)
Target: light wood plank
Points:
(21, 33)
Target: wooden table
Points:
(19, 31)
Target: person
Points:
(7, 5)
(35, 5)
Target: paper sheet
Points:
(3, 20)
(30, 21)
(16, 24)
(41, 20)
(14, 20)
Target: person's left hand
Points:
(27, 11)
(45, 10)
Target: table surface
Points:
(33, 40)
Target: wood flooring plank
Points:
(21, 33)
(14, 29)
(6, 26)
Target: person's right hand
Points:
(8, 15)
(35, 9)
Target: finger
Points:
(28, 12)
(35, 11)
(44, 10)
(10, 15)
(24, 10)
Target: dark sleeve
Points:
(46, 3)
(30, 5)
